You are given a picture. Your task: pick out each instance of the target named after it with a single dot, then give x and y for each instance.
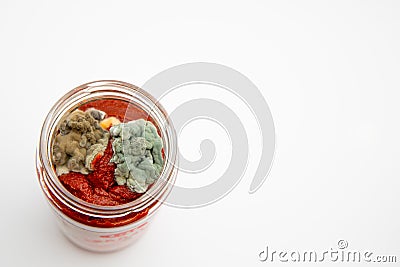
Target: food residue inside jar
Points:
(105, 155)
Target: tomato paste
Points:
(99, 186)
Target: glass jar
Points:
(105, 228)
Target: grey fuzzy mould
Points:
(137, 153)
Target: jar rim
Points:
(161, 187)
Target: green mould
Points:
(137, 153)
(79, 141)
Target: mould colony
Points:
(104, 161)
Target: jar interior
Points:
(135, 99)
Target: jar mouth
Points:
(109, 89)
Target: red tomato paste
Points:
(99, 187)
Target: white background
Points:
(329, 71)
